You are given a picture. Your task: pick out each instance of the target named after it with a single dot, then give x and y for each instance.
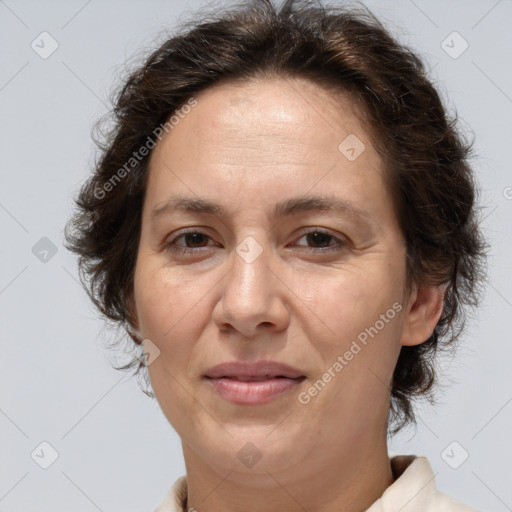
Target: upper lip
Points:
(259, 369)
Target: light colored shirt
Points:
(413, 490)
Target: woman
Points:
(283, 220)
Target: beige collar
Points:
(414, 490)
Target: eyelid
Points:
(340, 241)
(168, 242)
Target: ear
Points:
(425, 309)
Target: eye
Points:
(193, 240)
(319, 237)
(196, 240)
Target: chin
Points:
(251, 452)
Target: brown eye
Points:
(193, 240)
(319, 241)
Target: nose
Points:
(253, 298)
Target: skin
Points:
(248, 145)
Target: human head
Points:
(339, 49)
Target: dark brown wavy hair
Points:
(342, 48)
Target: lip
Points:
(235, 369)
(253, 384)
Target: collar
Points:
(414, 489)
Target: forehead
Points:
(278, 107)
(265, 138)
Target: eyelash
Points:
(170, 247)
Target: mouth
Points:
(262, 370)
(257, 379)
(253, 384)
(255, 390)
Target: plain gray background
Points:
(116, 451)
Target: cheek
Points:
(346, 301)
(167, 313)
(350, 304)
(162, 298)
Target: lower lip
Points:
(255, 392)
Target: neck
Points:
(326, 481)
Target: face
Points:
(271, 274)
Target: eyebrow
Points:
(286, 208)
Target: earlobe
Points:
(426, 307)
